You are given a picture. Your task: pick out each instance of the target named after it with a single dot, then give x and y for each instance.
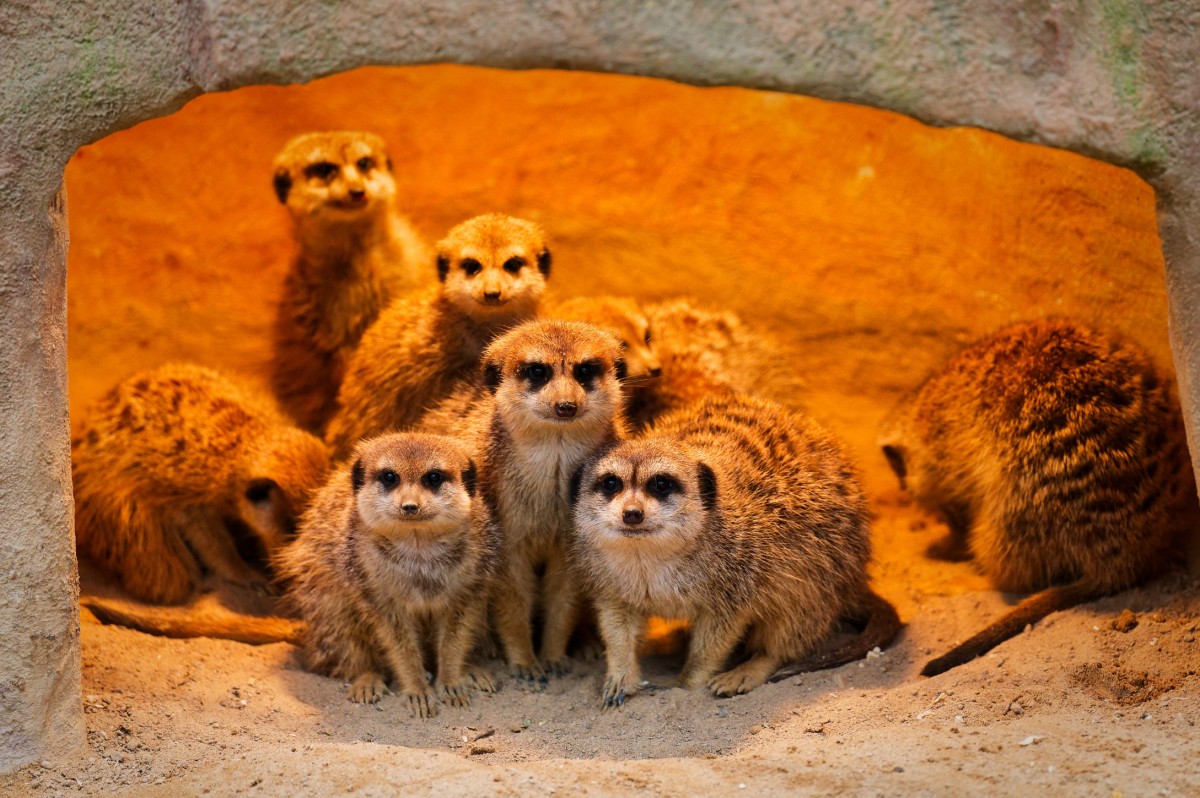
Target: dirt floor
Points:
(873, 244)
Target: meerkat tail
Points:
(1031, 610)
(187, 622)
(881, 624)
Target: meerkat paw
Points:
(589, 650)
(481, 679)
(422, 704)
(532, 677)
(368, 689)
(457, 695)
(559, 666)
(616, 690)
(741, 679)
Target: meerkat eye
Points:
(471, 266)
(365, 164)
(536, 373)
(610, 485)
(660, 486)
(513, 265)
(388, 478)
(585, 373)
(321, 170)
(433, 480)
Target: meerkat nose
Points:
(491, 296)
(564, 409)
(357, 194)
(632, 516)
(409, 508)
(655, 372)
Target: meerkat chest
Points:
(533, 488)
(651, 584)
(412, 579)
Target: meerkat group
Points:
(505, 461)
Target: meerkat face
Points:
(413, 486)
(555, 375)
(623, 317)
(493, 268)
(286, 471)
(334, 177)
(651, 494)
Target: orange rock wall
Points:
(877, 244)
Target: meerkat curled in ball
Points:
(357, 254)
(1056, 454)
(395, 557)
(168, 461)
(493, 272)
(739, 516)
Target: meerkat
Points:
(492, 271)
(553, 396)
(171, 460)
(739, 516)
(624, 318)
(700, 351)
(357, 254)
(396, 555)
(1056, 455)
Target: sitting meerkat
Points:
(739, 516)
(168, 461)
(492, 272)
(357, 254)
(396, 556)
(554, 395)
(1056, 455)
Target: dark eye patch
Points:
(660, 486)
(388, 478)
(536, 374)
(321, 170)
(433, 479)
(471, 266)
(895, 459)
(365, 164)
(586, 373)
(647, 337)
(609, 485)
(513, 265)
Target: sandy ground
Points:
(874, 245)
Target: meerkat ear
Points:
(492, 375)
(895, 458)
(283, 184)
(390, 166)
(576, 480)
(708, 486)
(543, 261)
(469, 476)
(443, 264)
(620, 368)
(358, 475)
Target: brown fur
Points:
(422, 347)
(702, 350)
(1056, 455)
(624, 318)
(738, 516)
(356, 256)
(166, 459)
(528, 453)
(378, 590)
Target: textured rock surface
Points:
(1113, 79)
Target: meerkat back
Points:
(1057, 456)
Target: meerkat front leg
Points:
(561, 604)
(402, 652)
(512, 605)
(456, 635)
(713, 639)
(620, 627)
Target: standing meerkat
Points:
(740, 517)
(555, 396)
(168, 461)
(395, 558)
(357, 254)
(1056, 455)
(492, 272)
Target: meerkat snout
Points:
(633, 516)
(565, 409)
(492, 262)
